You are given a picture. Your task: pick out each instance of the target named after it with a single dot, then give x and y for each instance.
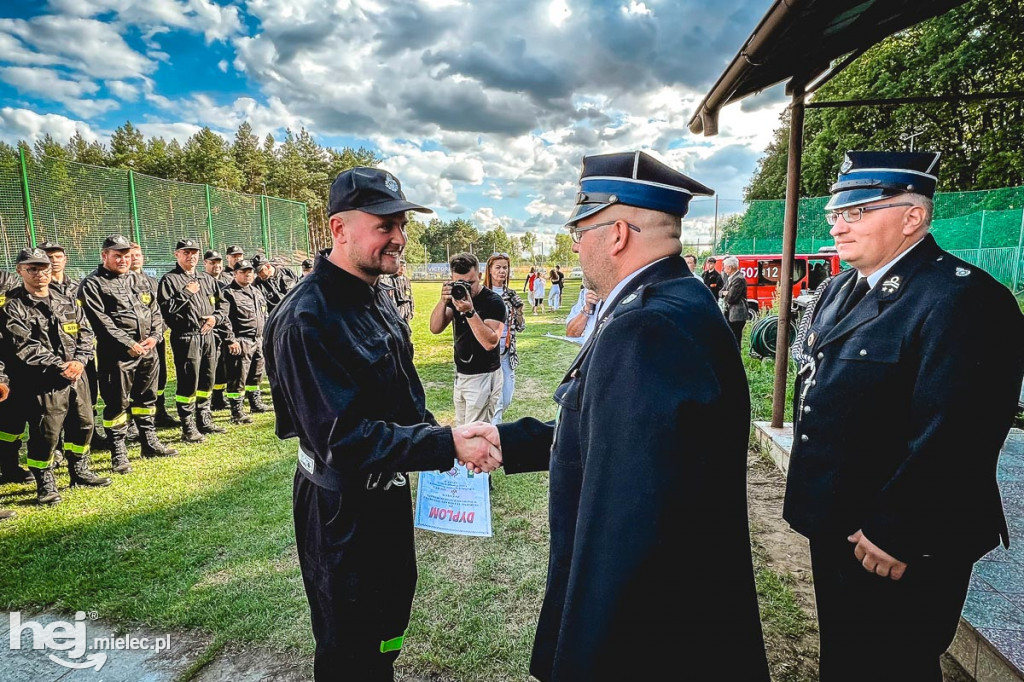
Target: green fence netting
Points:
(983, 227)
(80, 205)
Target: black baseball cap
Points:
(49, 246)
(308, 263)
(187, 245)
(259, 260)
(370, 190)
(244, 264)
(32, 257)
(235, 250)
(212, 255)
(117, 242)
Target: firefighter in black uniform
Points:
(128, 326)
(4, 392)
(192, 307)
(213, 263)
(234, 253)
(307, 268)
(271, 280)
(341, 371)
(247, 316)
(147, 284)
(12, 415)
(51, 340)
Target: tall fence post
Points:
(981, 232)
(264, 227)
(26, 198)
(135, 208)
(305, 218)
(209, 217)
(1020, 243)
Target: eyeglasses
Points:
(852, 215)
(576, 232)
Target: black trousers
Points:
(877, 628)
(129, 385)
(220, 379)
(195, 362)
(92, 373)
(69, 409)
(161, 354)
(359, 616)
(737, 331)
(12, 423)
(244, 371)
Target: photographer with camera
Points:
(478, 316)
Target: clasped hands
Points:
(477, 446)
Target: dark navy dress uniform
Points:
(647, 456)
(342, 376)
(900, 410)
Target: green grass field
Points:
(204, 540)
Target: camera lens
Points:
(460, 290)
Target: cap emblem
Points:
(391, 183)
(847, 164)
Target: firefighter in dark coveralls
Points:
(192, 307)
(128, 326)
(5, 392)
(213, 263)
(340, 365)
(243, 345)
(910, 372)
(12, 414)
(150, 285)
(50, 341)
(648, 455)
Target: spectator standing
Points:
(538, 292)
(712, 277)
(496, 278)
(735, 296)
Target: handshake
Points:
(477, 446)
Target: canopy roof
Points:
(801, 39)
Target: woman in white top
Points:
(496, 278)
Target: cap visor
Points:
(856, 197)
(396, 206)
(35, 261)
(119, 248)
(584, 210)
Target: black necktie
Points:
(853, 298)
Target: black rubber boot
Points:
(46, 487)
(133, 431)
(10, 472)
(256, 404)
(152, 447)
(237, 415)
(119, 455)
(217, 400)
(205, 421)
(82, 475)
(100, 437)
(189, 432)
(163, 417)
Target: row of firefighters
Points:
(66, 343)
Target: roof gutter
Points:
(706, 119)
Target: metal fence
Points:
(80, 205)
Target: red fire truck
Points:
(762, 272)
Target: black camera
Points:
(461, 290)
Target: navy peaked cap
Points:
(244, 264)
(869, 176)
(634, 179)
(371, 190)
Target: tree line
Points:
(297, 168)
(972, 49)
